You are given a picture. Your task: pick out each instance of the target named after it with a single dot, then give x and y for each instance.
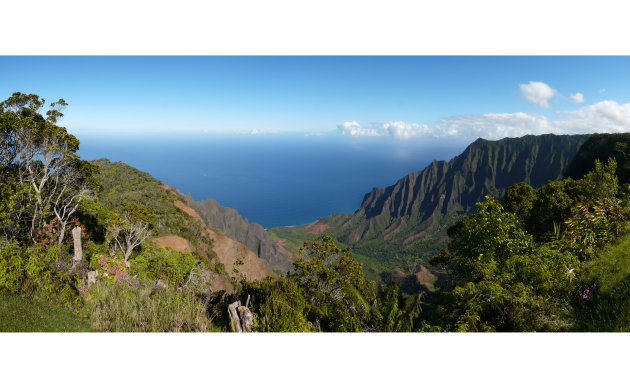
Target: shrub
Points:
(44, 280)
(12, 268)
(155, 262)
(37, 272)
(120, 307)
(278, 306)
(219, 268)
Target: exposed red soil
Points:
(175, 243)
(188, 210)
(230, 251)
(317, 227)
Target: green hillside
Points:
(404, 225)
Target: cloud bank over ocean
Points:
(606, 116)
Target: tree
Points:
(503, 280)
(39, 160)
(73, 185)
(332, 283)
(278, 305)
(553, 204)
(128, 230)
(490, 235)
(519, 199)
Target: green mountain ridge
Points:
(601, 147)
(484, 168)
(405, 224)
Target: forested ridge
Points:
(120, 251)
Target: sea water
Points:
(274, 180)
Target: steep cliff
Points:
(252, 235)
(416, 211)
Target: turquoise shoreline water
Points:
(273, 180)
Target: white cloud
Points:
(577, 98)
(604, 116)
(602, 90)
(355, 129)
(493, 125)
(537, 93)
(404, 130)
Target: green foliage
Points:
(602, 147)
(155, 262)
(504, 281)
(41, 178)
(604, 293)
(119, 307)
(332, 283)
(12, 268)
(593, 227)
(554, 204)
(219, 268)
(601, 183)
(526, 292)
(37, 272)
(508, 280)
(278, 306)
(124, 185)
(519, 199)
(486, 238)
(397, 311)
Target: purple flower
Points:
(587, 294)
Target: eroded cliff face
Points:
(251, 235)
(422, 201)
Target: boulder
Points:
(247, 318)
(160, 284)
(91, 278)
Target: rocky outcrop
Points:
(252, 235)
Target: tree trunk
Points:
(62, 233)
(234, 318)
(78, 250)
(247, 318)
(127, 254)
(241, 317)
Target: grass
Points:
(18, 314)
(116, 307)
(612, 267)
(610, 273)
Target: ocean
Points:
(274, 180)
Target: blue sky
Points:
(402, 97)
